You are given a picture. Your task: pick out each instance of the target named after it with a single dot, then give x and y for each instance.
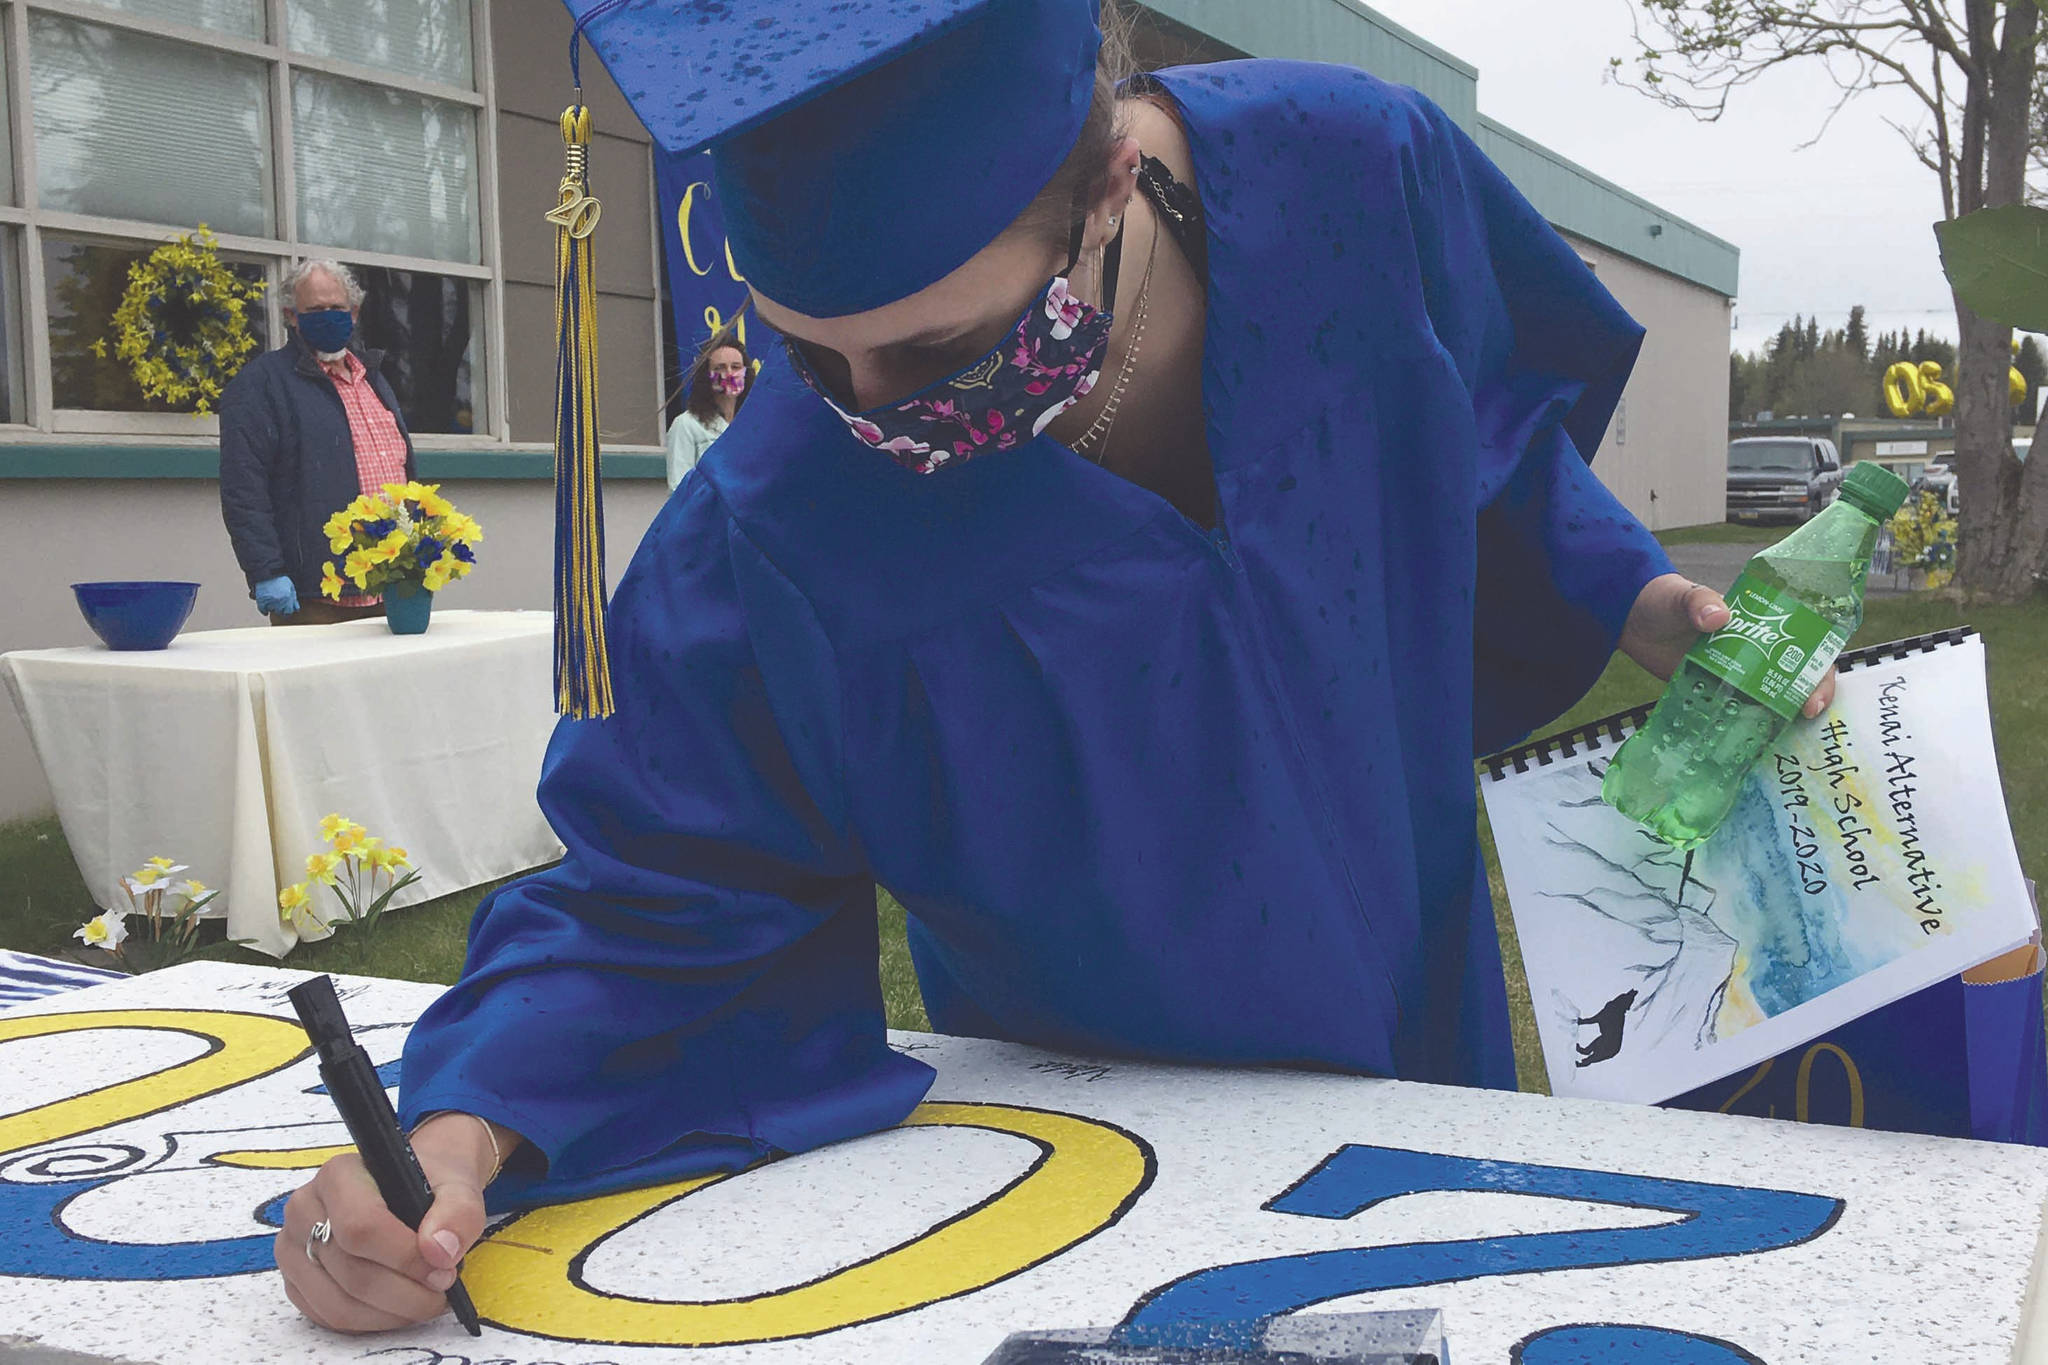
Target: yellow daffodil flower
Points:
(358, 565)
(389, 859)
(330, 581)
(148, 876)
(295, 912)
(331, 823)
(436, 576)
(432, 503)
(194, 889)
(349, 840)
(163, 865)
(321, 867)
(104, 931)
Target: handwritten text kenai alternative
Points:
(1900, 777)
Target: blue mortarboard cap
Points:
(861, 149)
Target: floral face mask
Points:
(734, 382)
(1049, 361)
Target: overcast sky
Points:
(1845, 221)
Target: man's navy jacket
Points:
(288, 462)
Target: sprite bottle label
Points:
(1774, 648)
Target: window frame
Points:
(28, 221)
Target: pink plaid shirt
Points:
(380, 445)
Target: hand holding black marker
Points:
(352, 1083)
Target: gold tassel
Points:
(583, 679)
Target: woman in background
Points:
(717, 383)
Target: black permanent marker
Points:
(352, 1083)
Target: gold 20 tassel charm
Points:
(583, 678)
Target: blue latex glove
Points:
(277, 597)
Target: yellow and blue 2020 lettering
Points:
(1087, 1175)
(1229, 1305)
(33, 1238)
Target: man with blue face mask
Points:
(303, 430)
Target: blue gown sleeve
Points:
(1544, 351)
(694, 986)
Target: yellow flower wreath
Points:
(183, 323)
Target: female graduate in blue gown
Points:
(1137, 631)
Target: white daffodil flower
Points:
(107, 931)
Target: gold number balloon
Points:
(1914, 390)
(1902, 391)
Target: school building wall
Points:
(77, 489)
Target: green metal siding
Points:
(1579, 202)
(1334, 31)
(1571, 197)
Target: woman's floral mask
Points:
(1049, 361)
(732, 382)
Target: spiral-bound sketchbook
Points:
(1869, 857)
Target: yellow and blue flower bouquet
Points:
(405, 541)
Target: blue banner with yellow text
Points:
(1954, 1060)
(704, 284)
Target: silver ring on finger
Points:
(321, 1233)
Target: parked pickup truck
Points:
(1773, 478)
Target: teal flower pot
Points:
(406, 609)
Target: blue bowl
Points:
(136, 615)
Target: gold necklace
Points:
(1099, 429)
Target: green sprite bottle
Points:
(1795, 606)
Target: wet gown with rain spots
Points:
(1147, 788)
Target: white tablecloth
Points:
(225, 750)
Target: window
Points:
(426, 326)
(13, 386)
(84, 282)
(384, 170)
(239, 18)
(115, 120)
(426, 39)
(293, 129)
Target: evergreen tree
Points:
(1857, 336)
(1926, 348)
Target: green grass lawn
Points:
(42, 899)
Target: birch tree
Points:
(1972, 70)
